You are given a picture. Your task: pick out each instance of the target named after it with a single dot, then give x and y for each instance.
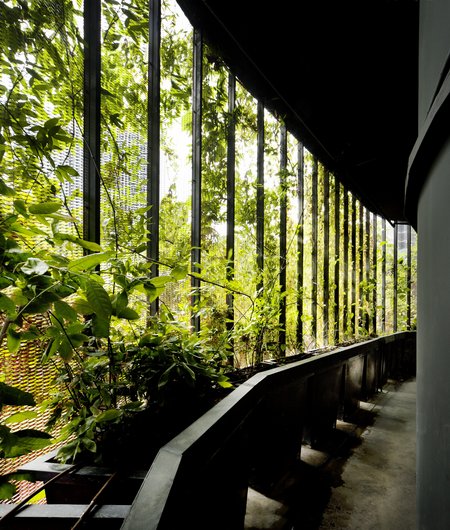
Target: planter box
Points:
(82, 485)
(64, 516)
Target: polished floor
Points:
(364, 479)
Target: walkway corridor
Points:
(365, 479)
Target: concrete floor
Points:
(364, 480)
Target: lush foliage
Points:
(17, 442)
(116, 364)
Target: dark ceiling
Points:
(343, 75)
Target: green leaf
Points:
(19, 475)
(20, 207)
(108, 415)
(165, 375)
(44, 208)
(98, 299)
(33, 433)
(7, 490)
(5, 282)
(77, 339)
(50, 350)
(19, 443)
(41, 303)
(141, 248)
(65, 311)
(65, 349)
(6, 190)
(51, 123)
(152, 292)
(82, 306)
(21, 416)
(88, 262)
(224, 382)
(179, 272)
(160, 281)
(120, 302)
(61, 217)
(10, 395)
(32, 231)
(22, 442)
(70, 170)
(128, 314)
(18, 297)
(65, 173)
(88, 245)
(13, 340)
(100, 327)
(7, 306)
(89, 444)
(32, 333)
(35, 266)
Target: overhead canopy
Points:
(343, 76)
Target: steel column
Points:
(367, 267)
(260, 197)
(315, 240)
(337, 258)
(300, 202)
(408, 277)
(92, 116)
(395, 287)
(326, 255)
(383, 275)
(346, 249)
(353, 261)
(196, 175)
(374, 272)
(231, 193)
(153, 138)
(283, 233)
(360, 319)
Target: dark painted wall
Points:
(433, 368)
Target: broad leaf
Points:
(13, 340)
(128, 314)
(100, 326)
(98, 299)
(21, 416)
(160, 281)
(6, 190)
(20, 207)
(120, 302)
(7, 490)
(13, 444)
(179, 272)
(35, 266)
(7, 306)
(108, 415)
(88, 245)
(88, 262)
(10, 395)
(64, 311)
(65, 349)
(82, 306)
(44, 208)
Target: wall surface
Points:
(433, 349)
(433, 362)
(434, 47)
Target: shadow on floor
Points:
(298, 500)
